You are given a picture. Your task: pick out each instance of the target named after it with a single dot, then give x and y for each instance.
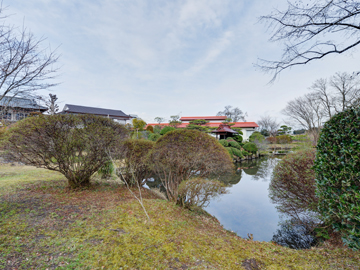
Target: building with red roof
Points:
(247, 128)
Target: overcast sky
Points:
(166, 57)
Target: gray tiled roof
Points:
(69, 108)
(24, 103)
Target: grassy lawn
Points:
(43, 225)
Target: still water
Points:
(247, 208)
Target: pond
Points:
(247, 208)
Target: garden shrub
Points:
(283, 139)
(224, 143)
(236, 152)
(182, 154)
(271, 140)
(250, 147)
(256, 137)
(235, 145)
(106, 170)
(292, 185)
(150, 129)
(337, 167)
(245, 153)
(230, 139)
(166, 130)
(154, 137)
(135, 169)
(198, 192)
(230, 151)
(238, 138)
(75, 145)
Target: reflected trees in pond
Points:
(292, 188)
(260, 168)
(294, 235)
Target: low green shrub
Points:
(230, 151)
(154, 137)
(236, 152)
(166, 130)
(224, 143)
(235, 145)
(106, 170)
(245, 153)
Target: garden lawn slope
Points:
(43, 225)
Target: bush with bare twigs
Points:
(182, 154)
(74, 145)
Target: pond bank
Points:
(44, 225)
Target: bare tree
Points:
(346, 88)
(159, 120)
(269, 124)
(311, 31)
(25, 65)
(234, 114)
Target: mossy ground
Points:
(44, 225)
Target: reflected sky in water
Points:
(247, 208)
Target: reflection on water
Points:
(247, 208)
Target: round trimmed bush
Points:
(182, 154)
(166, 130)
(337, 167)
(154, 137)
(75, 145)
(256, 137)
(237, 152)
(250, 147)
(224, 143)
(235, 145)
(150, 129)
(135, 169)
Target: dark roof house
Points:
(113, 114)
(21, 103)
(13, 109)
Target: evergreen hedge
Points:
(337, 168)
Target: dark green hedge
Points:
(337, 167)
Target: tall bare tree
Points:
(234, 114)
(328, 97)
(269, 124)
(312, 30)
(25, 64)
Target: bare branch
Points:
(307, 32)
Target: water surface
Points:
(247, 209)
